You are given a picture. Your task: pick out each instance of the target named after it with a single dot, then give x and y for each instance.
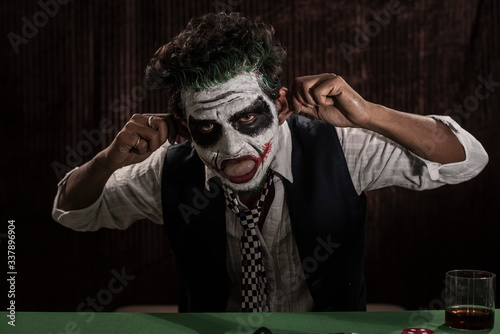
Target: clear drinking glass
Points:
(470, 299)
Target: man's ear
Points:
(183, 133)
(282, 106)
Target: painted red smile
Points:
(242, 169)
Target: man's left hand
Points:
(329, 98)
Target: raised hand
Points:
(329, 98)
(142, 135)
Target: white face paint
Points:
(234, 128)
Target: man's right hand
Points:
(142, 135)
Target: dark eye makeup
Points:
(254, 119)
(250, 121)
(205, 132)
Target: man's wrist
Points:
(379, 118)
(99, 165)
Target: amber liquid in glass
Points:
(469, 317)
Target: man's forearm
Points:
(84, 186)
(424, 136)
(328, 97)
(140, 137)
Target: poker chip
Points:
(417, 331)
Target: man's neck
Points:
(249, 199)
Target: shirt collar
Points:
(282, 161)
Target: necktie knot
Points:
(249, 218)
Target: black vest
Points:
(326, 213)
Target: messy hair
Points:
(213, 49)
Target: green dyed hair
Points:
(213, 49)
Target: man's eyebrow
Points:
(218, 97)
(256, 106)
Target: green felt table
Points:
(290, 323)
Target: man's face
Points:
(234, 128)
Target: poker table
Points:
(284, 323)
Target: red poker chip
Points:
(417, 331)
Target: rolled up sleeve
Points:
(375, 161)
(132, 193)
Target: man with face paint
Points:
(247, 149)
(234, 128)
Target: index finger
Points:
(300, 93)
(161, 123)
(304, 110)
(324, 92)
(176, 126)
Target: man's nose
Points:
(231, 142)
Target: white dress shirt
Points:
(134, 192)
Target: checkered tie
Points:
(254, 290)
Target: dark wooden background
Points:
(86, 64)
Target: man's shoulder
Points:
(303, 126)
(181, 159)
(183, 150)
